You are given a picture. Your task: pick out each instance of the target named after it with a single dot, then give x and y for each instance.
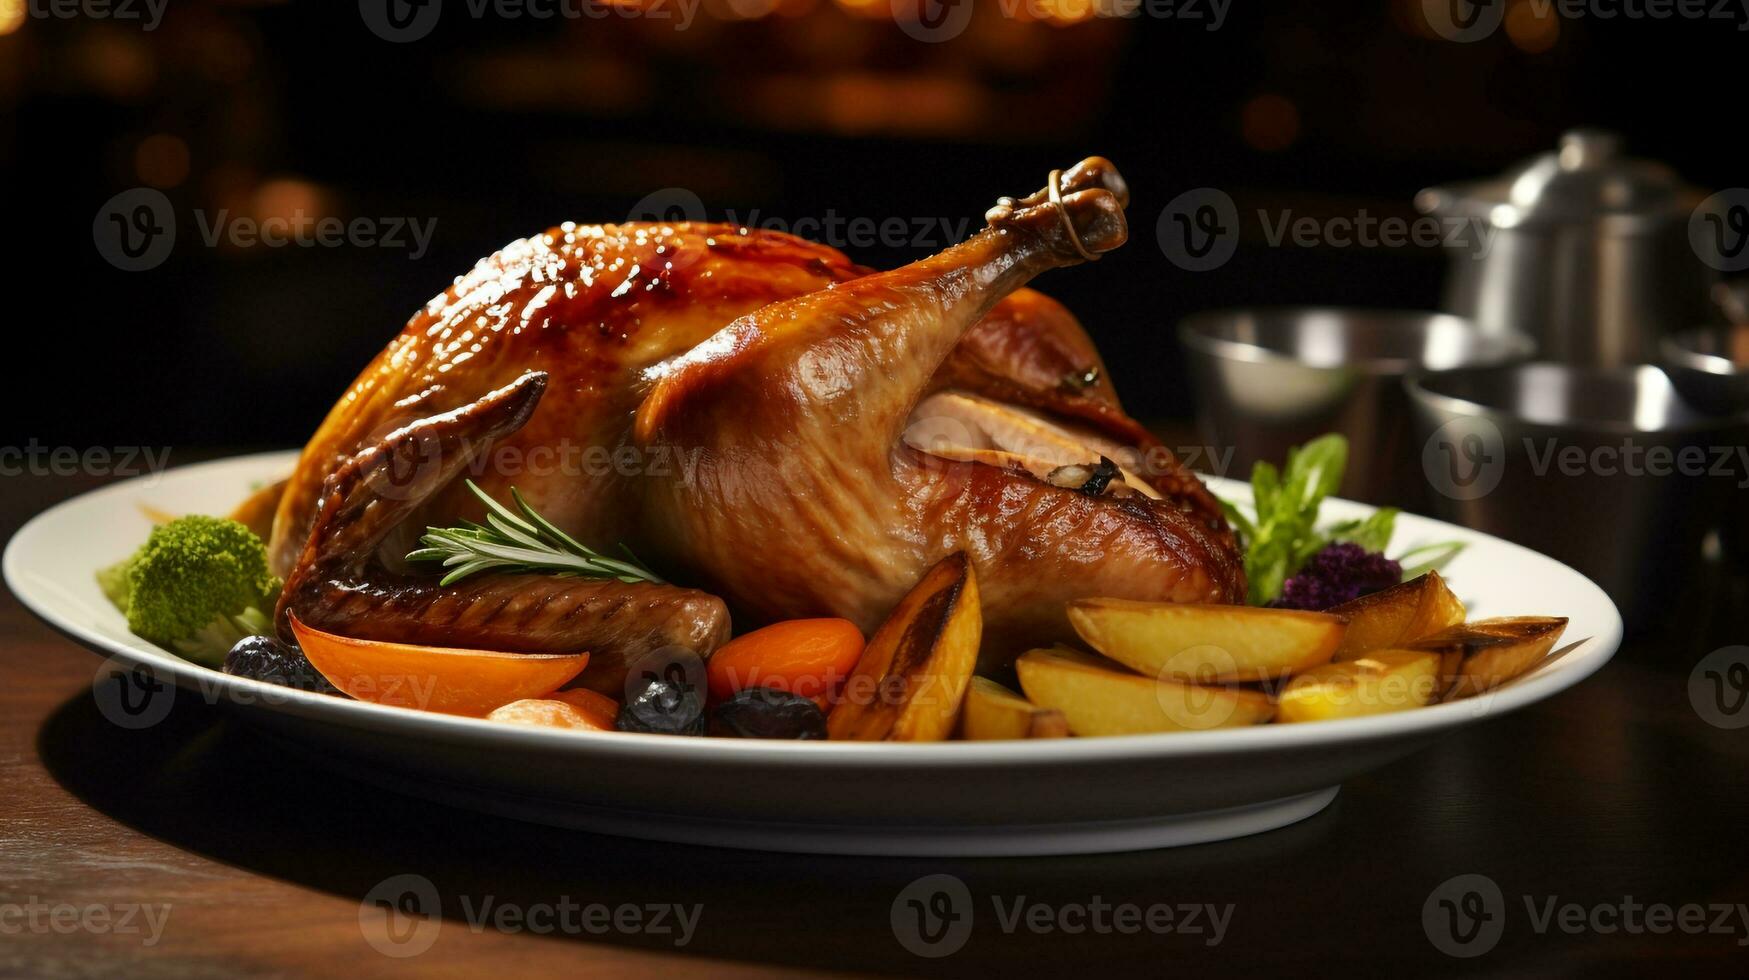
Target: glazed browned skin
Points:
(339, 585)
(797, 410)
(592, 307)
(798, 498)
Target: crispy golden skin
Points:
(728, 403)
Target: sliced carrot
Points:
(810, 657)
(445, 679)
(549, 713)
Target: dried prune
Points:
(766, 712)
(269, 659)
(663, 702)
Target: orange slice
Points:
(444, 679)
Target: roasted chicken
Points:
(756, 416)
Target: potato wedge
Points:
(1097, 700)
(1480, 656)
(994, 712)
(1381, 681)
(912, 676)
(1201, 644)
(1397, 616)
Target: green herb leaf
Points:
(1373, 533)
(520, 540)
(1437, 556)
(1284, 533)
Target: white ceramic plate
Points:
(953, 798)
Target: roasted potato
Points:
(1381, 681)
(1397, 616)
(1097, 698)
(994, 712)
(1480, 656)
(912, 676)
(1206, 643)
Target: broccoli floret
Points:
(198, 585)
(114, 582)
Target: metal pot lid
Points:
(1586, 180)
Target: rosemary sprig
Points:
(521, 542)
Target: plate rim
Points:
(1587, 656)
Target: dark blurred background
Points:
(499, 126)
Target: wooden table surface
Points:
(194, 848)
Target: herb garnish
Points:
(1285, 534)
(525, 542)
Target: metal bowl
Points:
(1269, 379)
(1607, 469)
(1710, 366)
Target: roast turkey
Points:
(775, 429)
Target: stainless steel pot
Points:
(1606, 469)
(1585, 251)
(1269, 379)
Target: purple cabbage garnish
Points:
(1337, 573)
